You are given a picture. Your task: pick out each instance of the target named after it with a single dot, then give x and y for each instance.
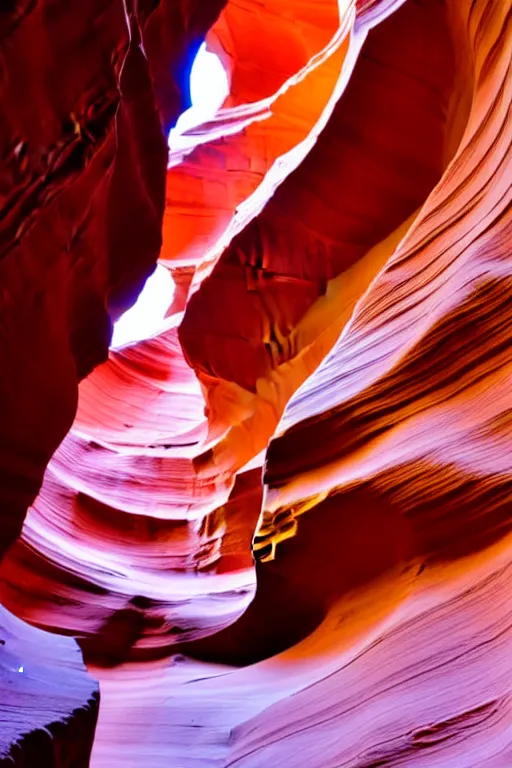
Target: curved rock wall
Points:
(49, 705)
(280, 527)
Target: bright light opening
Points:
(21, 670)
(146, 316)
(209, 87)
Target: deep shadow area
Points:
(343, 544)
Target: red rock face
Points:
(279, 528)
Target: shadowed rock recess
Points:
(277, 530)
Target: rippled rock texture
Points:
(49, 704)
(279, 528)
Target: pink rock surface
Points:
(280, 527)
(49, 704)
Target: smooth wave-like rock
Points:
(279, 528)
(430, 687)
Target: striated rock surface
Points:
(49, 705)
(82, 200)
(280, 527)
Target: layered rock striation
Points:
(280, 527)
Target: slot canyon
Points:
(256, 384)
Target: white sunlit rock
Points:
(147, 315)
(209, 87)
